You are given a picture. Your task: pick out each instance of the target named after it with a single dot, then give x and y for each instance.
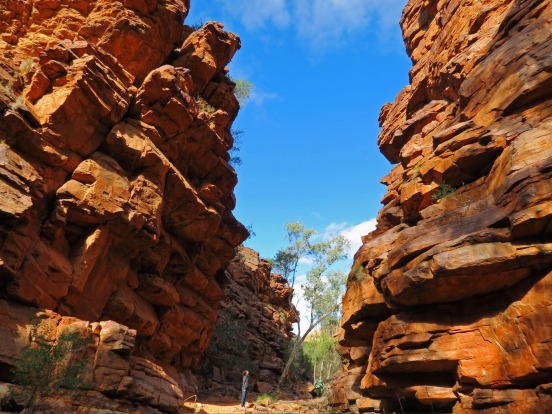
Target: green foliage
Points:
(323, 287)
(12, 87)
(266, 399)
(46, 369)
(250, 230)
(197, 26)
(287, 259)
(359, 272)
(301, 365)
(320, 350)
(243, 90)
(235, 159)
(204, 106)
(320, 388)
(228, 348)
(445, 190)
(416, 171)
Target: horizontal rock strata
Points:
(116, 193)
(448, 306)
(254, 328)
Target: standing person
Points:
(245, 383)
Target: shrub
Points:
(242, 90)
(229, 348)
(359, 272)
(204, 106)
(12, 87)
(45, 369)
(266, 399)
(237, 135)
(320, 388)
(445, 190)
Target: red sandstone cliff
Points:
(449, 304)
(253, 330)
(116, 195)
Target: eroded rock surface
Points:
(254, 328)
(449, 303)
(116, 193)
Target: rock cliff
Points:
(449, 302)
(116, 193)
(253, 330)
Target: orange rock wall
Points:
(449, 303)
(254, 327)
(116, 193)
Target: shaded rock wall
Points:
(448, 306)
(116, 195)
(254, 327)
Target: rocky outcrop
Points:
(253, 330)
(448, 306)
(116, 193)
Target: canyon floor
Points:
(227, 405)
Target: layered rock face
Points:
(116, 195)
(449, 303)
(253, 330)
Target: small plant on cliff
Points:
(45, 369)
(243, 90)
(445, 190)
(204, 106)
(359, 272)
(198, 25)
(235, 159)
(11, 86)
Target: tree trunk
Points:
(297, 345)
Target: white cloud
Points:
(353, 233)
(256, 14)
(320, 23)
(301, 304)
(306, 261)
(323, 21)
(259, 97)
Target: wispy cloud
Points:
(256, 14)
(258, 97)
(318, 23)
(323, 21)
(306, 261)
(353, 233)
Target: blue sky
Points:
(322, 69)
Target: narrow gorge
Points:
(117, 199)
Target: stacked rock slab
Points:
(116, 193)
(254, 328)
(449, 302)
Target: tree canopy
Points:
(323, 286)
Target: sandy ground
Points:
(227, 405)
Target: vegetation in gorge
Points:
(47, 368)
(322, 287)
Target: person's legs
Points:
(244, 393)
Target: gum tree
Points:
(323, 287)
